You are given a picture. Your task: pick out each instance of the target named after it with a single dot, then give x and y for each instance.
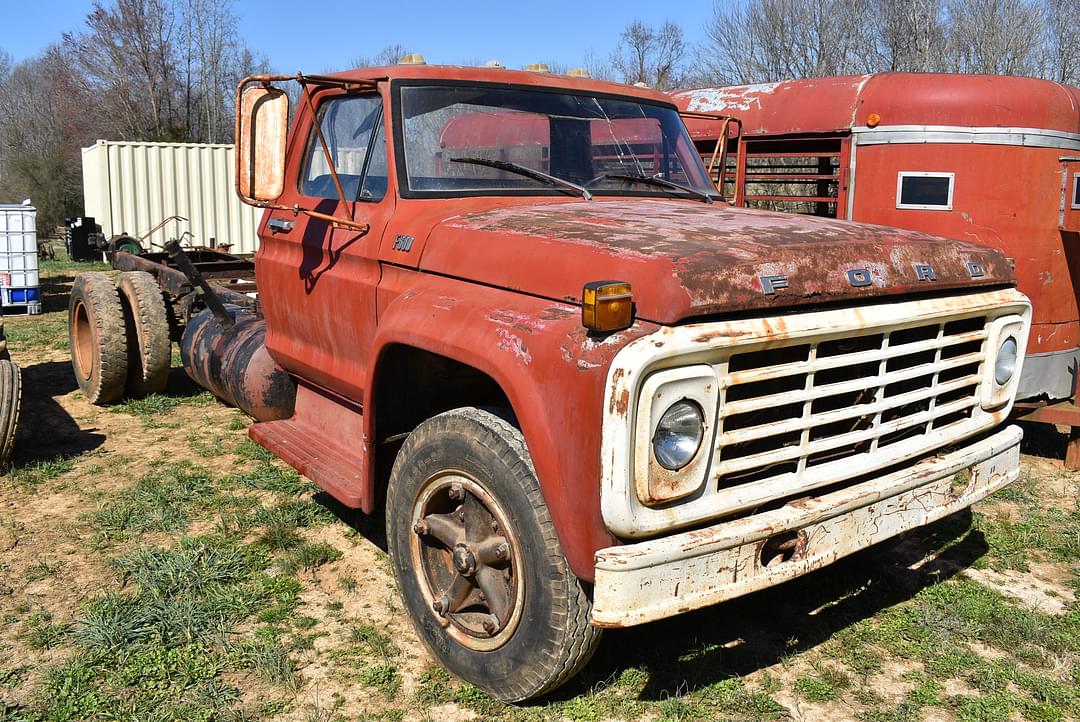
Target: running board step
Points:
(314, 442)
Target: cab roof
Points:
(821, 105)
(504, 75)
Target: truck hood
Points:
(686, 259)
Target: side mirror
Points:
(262, 125)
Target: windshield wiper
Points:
(529, 173)
(653, 180)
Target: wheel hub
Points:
(464, 546)
(464, 560)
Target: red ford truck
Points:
(511, 309)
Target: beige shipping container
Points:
(130, 187)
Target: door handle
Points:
(279, 225)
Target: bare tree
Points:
(1061, 42)
(999, 37)
(908, 35)
(763, 40)
(389, 55)
(653, 56)
(43, 125)
(598, 67)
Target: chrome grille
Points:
(797, 417)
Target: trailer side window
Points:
(924, 191)
(1076, 191)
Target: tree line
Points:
(154, 70)
(166, 70)
(756, 41)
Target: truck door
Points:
(318, 282)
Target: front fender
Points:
(552, 371)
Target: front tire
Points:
(477, 561)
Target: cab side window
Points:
(352, 128)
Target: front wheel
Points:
(477, 560)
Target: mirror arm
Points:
(334, 221)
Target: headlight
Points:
(1005, 366)
(678, 435)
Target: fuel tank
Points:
(235, 366)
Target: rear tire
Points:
(98, 338)
(148, 339)
(10, 400)
(477, 560)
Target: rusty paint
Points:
(516, 266)
(233, 363)
(684, 259)
(984, 123)
(635, 583)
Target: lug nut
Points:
(502, 551)
(441, 605)
(490, 626)
(421, 528)
(457, 492)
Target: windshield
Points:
(476, 140)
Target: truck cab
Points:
(588, 392)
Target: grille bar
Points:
(789, 453)
(789, 411)
(733, 408)
(808, 421)
(769, 373)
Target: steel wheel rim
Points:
(82, 341)
(467, 561)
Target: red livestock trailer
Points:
(989, 159)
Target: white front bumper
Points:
(658, 578)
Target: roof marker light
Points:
(494, 64)
(537, 68)
(412, 59)
(578, 73)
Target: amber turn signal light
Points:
(607, 306)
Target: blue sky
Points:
(325, 34)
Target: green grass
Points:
(160, 643)
(165, 499)
(308, 556)
(33, 475)
(186, 624)
(151, 408)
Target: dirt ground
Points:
(973, 618)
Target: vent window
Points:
(924, 191)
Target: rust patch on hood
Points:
(685, 258)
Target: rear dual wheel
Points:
(477, 561)
(119, 336)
